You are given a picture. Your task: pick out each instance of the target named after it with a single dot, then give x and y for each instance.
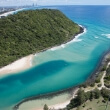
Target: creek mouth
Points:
(71, 90)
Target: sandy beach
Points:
(64, 104)
(19, 65)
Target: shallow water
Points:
(39, 103)
(65, 66)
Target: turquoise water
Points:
(65, 66)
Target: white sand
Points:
(64, 104)
(57, 106)
(21, 64)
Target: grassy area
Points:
(95, 104)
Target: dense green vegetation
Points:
(31, 31)
(82, 97)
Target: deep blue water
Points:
(65, 66)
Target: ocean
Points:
(64, 66)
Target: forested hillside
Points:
(31, 31)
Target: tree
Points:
(45, 107)
(97, 93)
(87, 95)
(105, 93)
(81, 97)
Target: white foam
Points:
(56, 48)
(76, 39)
(107, 35)
(36, 55)
(63, 46)
(96, 37)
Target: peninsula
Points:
(32, 31)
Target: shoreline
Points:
(70, 91)
(72, 39)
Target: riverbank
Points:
(17, 66)
(102, 62)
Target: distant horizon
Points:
(51, 5)
(52, 2)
